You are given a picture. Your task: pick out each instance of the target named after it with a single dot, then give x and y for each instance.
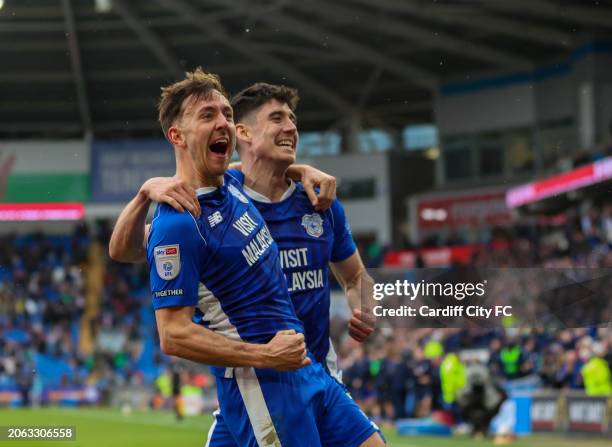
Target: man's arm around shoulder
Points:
(128, 241)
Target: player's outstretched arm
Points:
(128, 240)
(180, 337)
(312, 178)
(358, 288)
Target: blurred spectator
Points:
(568, 375)
(531, 358)
(511, 357)
(596, 373)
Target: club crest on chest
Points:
(313, 224)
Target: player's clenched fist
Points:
(286, 351)
(362, 325)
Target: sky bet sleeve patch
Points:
(167, 261)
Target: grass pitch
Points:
(108, 427)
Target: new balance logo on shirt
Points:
(214, 219)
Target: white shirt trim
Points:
(258, 197)
(205, 190)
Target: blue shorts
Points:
(303, 408)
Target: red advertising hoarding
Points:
(578, 178)
(41, 211)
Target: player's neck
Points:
(196, 178)
(266, 178)
(209, 180)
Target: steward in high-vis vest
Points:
(510, 357)
(452, 377)
(596, 374)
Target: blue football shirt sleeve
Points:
(175, 251)
(344, 245)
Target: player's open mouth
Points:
(220, 146)
(286, 143)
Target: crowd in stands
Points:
(398, 373)
(42, 301)
(41, 298)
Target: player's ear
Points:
(175, 136)
(243, 132)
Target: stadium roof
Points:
(69, 66)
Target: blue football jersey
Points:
(225, 263)
(308, 241)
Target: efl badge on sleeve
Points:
(313, 224)
(167, 261)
